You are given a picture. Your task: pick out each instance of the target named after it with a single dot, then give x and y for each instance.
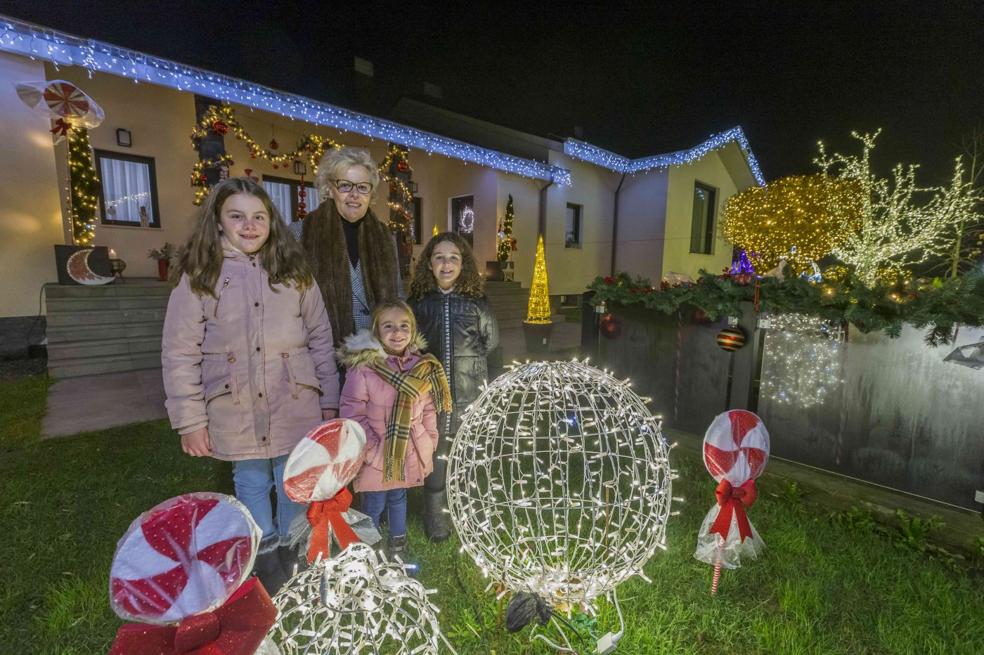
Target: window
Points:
(127, 190)
(417, 219)
(462, 211)
(702, 225)
(572, 236)
(286, 194)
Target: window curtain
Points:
(126, 188)
(280, 195)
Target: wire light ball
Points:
(559, 482)
(356, 602)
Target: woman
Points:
(352, 253)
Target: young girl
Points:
(395, 392)
(249, 366)
(457, 320)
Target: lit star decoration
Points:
(538, 308)
(620, 164)
(896, 231)
(801, 366)
(559, 483)
(799, 218)
(356, 602)
(96, 56)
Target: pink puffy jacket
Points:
(255, 365)
(370, 400)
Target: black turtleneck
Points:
(351, 229)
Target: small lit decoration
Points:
(466, 222)
(505, 243)
(79, 270)
(63, 49)
(435, 231)
(316, 474)
(396, 171)
(742, 265)
(736, 449)
(896, 230)
(538, 308)
(620, 164)
(801, 365)
(559, 486)
(182, 570)
(800, 218)
(356, 602)
(610, 326)
(731, 339)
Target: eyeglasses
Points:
(344, 186)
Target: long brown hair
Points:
(469, 282)
(201, 257)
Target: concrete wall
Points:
(30, 208)
(677, 258)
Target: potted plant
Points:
(163, 256)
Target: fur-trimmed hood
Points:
(364, 348)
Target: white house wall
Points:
(641, 224)
(30, 208)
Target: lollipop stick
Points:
(717, 568)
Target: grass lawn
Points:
(821, 586)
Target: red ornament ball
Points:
(610, 326)
(220, 127)
(731, 339)
(273, 144)
(402, 166)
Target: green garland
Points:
(939, 304)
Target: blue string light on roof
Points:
(62, 49)
(620, 164)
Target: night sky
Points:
(639, 80)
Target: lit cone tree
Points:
(504, 245)
(538, 309)
(84, 186)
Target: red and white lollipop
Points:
(736, 449)
(186, 556)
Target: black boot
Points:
(437, 522)
(270, 571)
(397, 546)
(292, 561)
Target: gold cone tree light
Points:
(538, 309)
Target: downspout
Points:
(615, 224)
(542, 218)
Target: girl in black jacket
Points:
(455, 317)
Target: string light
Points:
(801, 365)
(62, 49)
(895, 232)
(559, 483)
(356, 602)
(799, 218)
(84, 185)
(538, 308)
(620, 164)
(504, 237)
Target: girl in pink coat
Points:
(249, 366)
(395, 393)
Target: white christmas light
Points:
(559, 482)
(620, 164)
(96, 56)
(356, 602)
(802, 360)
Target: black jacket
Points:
(461, 331)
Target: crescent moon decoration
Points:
(78, 269)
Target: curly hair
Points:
(201, 257)
(334, 164)
(469, 282)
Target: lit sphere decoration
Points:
(356, 602)
(559, 482)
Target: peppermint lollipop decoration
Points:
(319, 467)
(736, 449)
(184, 567)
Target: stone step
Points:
(106, 317)
(92, 303)
(80, 350)
(83, 333)
(72, 368)
(133, 287)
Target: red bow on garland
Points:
(61, 127)
(733, 501)
(236, 628)
(323, 514)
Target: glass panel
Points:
(279, 193)
(701, 226)
(126, 191)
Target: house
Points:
(598, 211)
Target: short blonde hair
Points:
(387, 305)
(335, 162)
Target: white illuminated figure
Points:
(356, 602)
(559, 487)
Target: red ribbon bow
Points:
(325, 514)
(733, 501)
(61, 127)
(236, 628)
